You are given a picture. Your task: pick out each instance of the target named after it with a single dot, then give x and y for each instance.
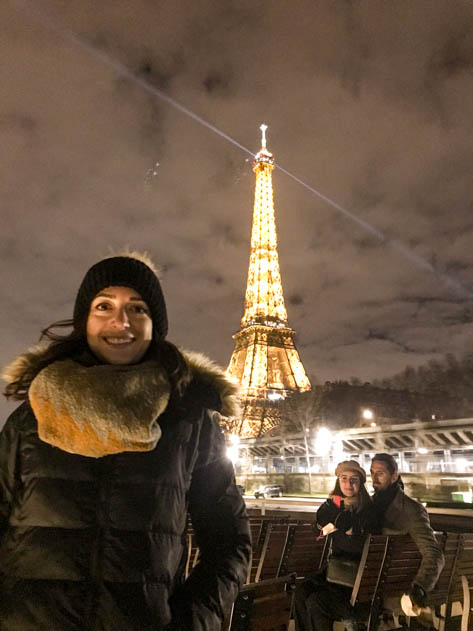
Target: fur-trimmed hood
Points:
(227, 388)
(201, 366)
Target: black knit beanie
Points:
(122, 271)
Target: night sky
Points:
(368, 103)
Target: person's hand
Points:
(328, 528)
(418, 595)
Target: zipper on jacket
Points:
(103, 468)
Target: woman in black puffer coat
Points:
(116, 442)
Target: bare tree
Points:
(301, 412)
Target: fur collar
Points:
(119, 385)
(99, 410)
(201, 367)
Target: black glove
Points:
(418, 595)
(344, 521)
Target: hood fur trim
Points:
(227, 387)
(200, 365)
(24, 365)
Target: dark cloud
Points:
(19, 121)
(295, 300)
(367, 103)
(454, 56)
(218, 82)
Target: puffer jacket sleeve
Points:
(221, 525)
(9, 441)
(327, 513)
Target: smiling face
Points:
(381, 477)
(349, 483)
(119, 326)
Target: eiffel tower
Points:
(265, 361)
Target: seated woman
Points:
(347, 517)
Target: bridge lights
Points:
(368, 417)
(233, 449)
(323, 442)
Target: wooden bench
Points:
(387, 567)
(303, 551)
(268, 534)
(464, 572)
(263, 606)
(268, 547)
(458, 601)
(280, 546)
(275, 544)
(389, 564)
(284, 546)
(259, 528)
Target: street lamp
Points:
(323, 441)
(338, 452)
(233, 449)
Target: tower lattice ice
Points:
(265, 360)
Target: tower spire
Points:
(265, 360)
(263, 128)
(264, 301)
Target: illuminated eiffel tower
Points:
(265, 361)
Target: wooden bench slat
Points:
(263, 606)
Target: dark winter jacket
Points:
(98, 544)
(405, 515)
(359, 523)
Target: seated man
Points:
(402, 514)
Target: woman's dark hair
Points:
(74, 345)
(363, 495)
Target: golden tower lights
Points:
(265, 360)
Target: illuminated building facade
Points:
(265, 360)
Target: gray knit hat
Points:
(122, 271)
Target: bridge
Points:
(435, 457)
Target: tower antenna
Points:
(263, 128)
